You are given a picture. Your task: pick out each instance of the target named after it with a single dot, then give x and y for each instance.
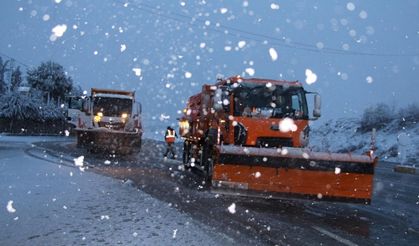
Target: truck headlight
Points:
(97, 118)
(183, 127)
(124, 115)
(184, 124)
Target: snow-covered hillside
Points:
(395, 142)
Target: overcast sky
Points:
(363, 52)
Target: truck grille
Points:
(273, 142)
(113, 125)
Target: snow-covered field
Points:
(393, 142)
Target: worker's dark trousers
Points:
(170, 148)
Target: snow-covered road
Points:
(49, 204)
(55, 203)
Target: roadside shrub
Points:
(18, 106)
(409, 114)
(28, 114)
(377, 117)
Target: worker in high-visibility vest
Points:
(170, 137)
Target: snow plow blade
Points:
(105, 140)
(293, 173)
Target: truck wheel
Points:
(185, 155)
(138, 145)
(207, 162)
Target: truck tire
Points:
(207, 162)
(186, 153)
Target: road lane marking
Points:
(334, 236)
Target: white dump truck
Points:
(110, 120)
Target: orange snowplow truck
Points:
(249, 138)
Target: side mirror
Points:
(317, 106)
(140, 108)
(85, 106)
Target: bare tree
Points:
(16, 79)
(3, 70)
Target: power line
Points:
(14, 59)
(273, 40)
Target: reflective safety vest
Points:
(170, 136)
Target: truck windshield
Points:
(110, 106)
(74, 102)
(275, 101)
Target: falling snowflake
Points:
(363, 14)
(344, 76)
(104, 217)
(174, 233)
(10, 207)
(164, 117)
(274, 6)
(58, 31)
(223, 10)
(46, 17)
(257, 174)
(310, 77)
(79, 161)
(273, 54)
(369, 79)
(287, 125)
(319, 45)
(345, 46)
(188, 75)
(123, 47)
(232, 208)
(67, 133)
(241, 44)
(337, 170)
(350, 6)
(250, 71)
(137, 71)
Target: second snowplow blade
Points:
(108, 141)
(293, 172)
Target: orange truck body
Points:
(249, 136)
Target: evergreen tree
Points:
(16, 79)
(50, 77)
